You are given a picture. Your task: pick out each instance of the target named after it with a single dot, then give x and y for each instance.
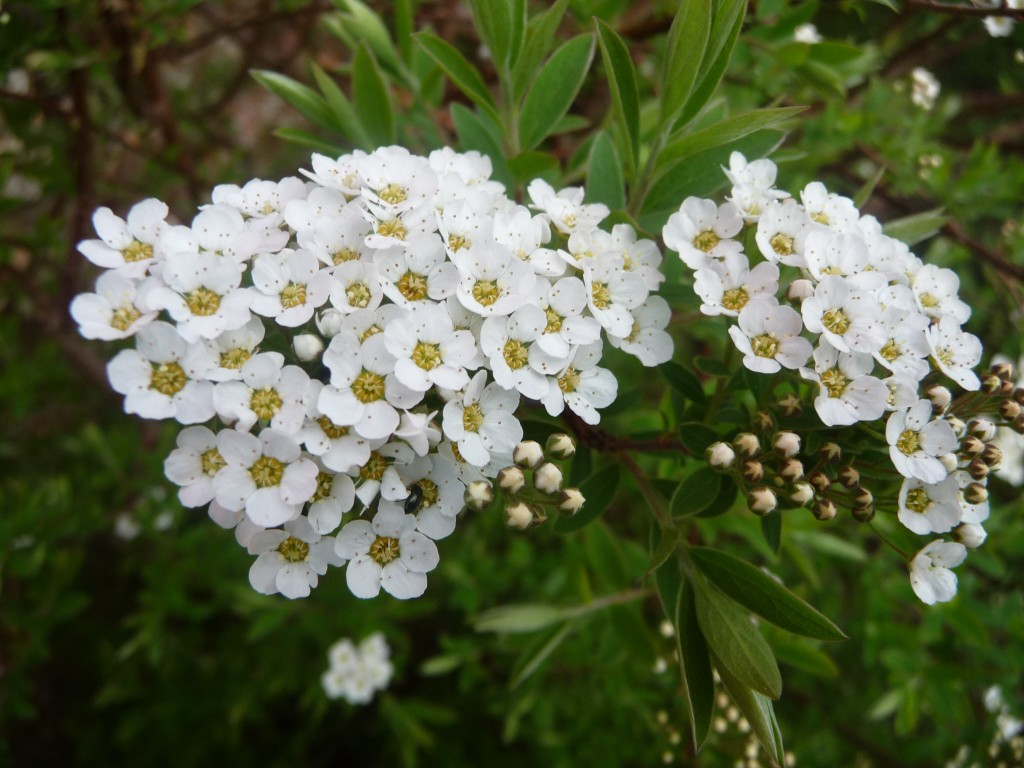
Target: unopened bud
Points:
(971, 446)
(308, 347)
(978, 469)
(570, 501)
(799, 290)
(1002, 370)
(752, 470)
(479, 495)
(786, 444)
(720, 455)
(1018, 425)
(975, 493)
(540, 516)
(518, 516)
(940, 396)
(949, 461)
(761, 500)
(983, 429)
(970, 535)
(1005, 389)
(528, 454)
(329, 322)
(824, 509)
(747, 444)
(801, 493)
(861, 497)
(1009, 409)
(561, 446)
(791, 470)
(791, 406)
(991, 384)
(849, 477)
(863, 514)
(819, 480)
(547, 478)
(992, 456)
(830, 452)
(511, 480)
(1018, 395)
(959, 428)
(765, 421)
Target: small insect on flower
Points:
(414, 499)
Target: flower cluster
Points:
(357, 672)
(344, 344)
(873, 329)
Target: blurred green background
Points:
(128, 632)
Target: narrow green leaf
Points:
(527, 166)
(758, 711)
(760, 593)
(696, 663)
(598, 490)
(494, 23)
(684, 382)
(537, 654)
(480, 133)
(405, 23)
(364, 25)
(344, 113)
(724, 500)
(724, 132)
(537, 43)
(670, 536)
(309, 140)
(725, 30)
(604, 174)
(554, 90)
(372, 98)
(734, 639)
(465, 76)
(308, 102)
(622, 83)
(519, 618)
(697, 437)
(712, 366)
(866, 190)
(669, 583)
(771, 529)
(687, 41)
(696, 492)
(805, 657)
(916, 227)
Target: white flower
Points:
(337, 239)
(769, 337)
(305, 213)
(266, 475)
(481, 421)
(753, 185)
(112, 312)
(162, 377)
(339, 447)
(936, 291)
(379, 473)
(337, 173)
(193, 465)
(929, 507)
(905, 351)
(1012, 445)
(728, 285)
(417, 273)
(418, 431)
(972, 513)
(844, 254)
(827, 208)
(127, 246)
(701, 231)
(387, 552)
(566, 209)
(955, 352)
(334, 496)
(582, 386)
(260, 198)
(441, 494)
(269, 391)
(233, 349)
(244, 528)
(355, 286)
(924, 88)
(428, 350)
(847, 319)
(308, 347)
(648, 342)
(492, 280)
(916, 442)
(524, 234)
(506, 341)
(848, 393)
(781, 230)
(930, 576)
(807, 33)
(640, 256)
(1000, 26)
(395, 180)
(612, 293)
(288, 286)
(563, 303)
(392, 229)
(465, 221)
(221, 230)
(471, 167)
(290, 561)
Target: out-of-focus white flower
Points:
(807, 33)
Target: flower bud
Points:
(540, 516)
(819, 480)
(761, 500)
(1009, 409)
(861, 497)
(971, 446)
(1018, 395)
(1018, 425)
(511, 480)
(765, 421)
(791, 406)
(547, 478)
(978, 469)
(970, 535)
(799, 290)
(983, 429)
(308, 347)
(830, 452)
(786, 444)
(518, 516)
(570, 501)
(791, 470)
(975, 493)
(992, 456)
(561, 446)
(1005, 389)
(940, 396)
(329, 322)
(863, 514)
(991, 384)
(801, 493)
(479, 495)
(747, 444)
(752, 470)
(1002, 370)
(528, 454)
(959, 428)
(849, 477)
(824, 509)
(720, 455)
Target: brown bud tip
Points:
(849, 477)
(830, 452)
(791, 470)
(861, 497)
(819, 480)
(752, 470)
(824, 509)
(1002, 370)
(991, 384)
(1018, 395)
(864, 514)
(1009, 409)
(978, 469)
(971, 446)
(992, 456)
(791, 406)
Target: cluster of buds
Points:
(531, 484)
(772, 476)
(1000, 384)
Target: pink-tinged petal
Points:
(355, 539)
(266, 507)
(402, 583)
(294, 580)
(363, 576)
(263, 573)
(234, 486)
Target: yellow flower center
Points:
(928, 300)
(344, 255)
(374, 467)
(368, 387)
(918, 501)
(834, 382)
(735, 299)
(392, 228)
(455, 452)
(890, 351)
(412, 286)
(569, 380)
(427, 356)
(782, 244)
(265, 403)
(457, 242)
(235, 358)
(137, 252)
(430, 492)
(168, 379)
(373, 330)
(765, 345)
(486, 292)
(601, 295)
(384, 549)
(393, 194)
(212, 462)
(472, 418)
(908, 442)
(202, 302)
(554, 321)
(293, 295)
(124, 316)
(324, 484)
(633, 332)
(836, 321)
(293, 550)
(332, 430)
(706, 241)
(516, 354)
(266, 472)
(945, 355)
(821, 217)
(358, 295)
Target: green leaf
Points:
(771, 528)
(734, 639)
(696, 663)
(724, 500)
(670, 536)
(868, 187)
(554, 90)
(527, 166)
(308, 102)
(372, 98)
(687, 41)
(805, 657)
(728, 130)
(758, 711)
(344, 113)
(539, 39)
(537, 654)
(622, 83)
(696, 493)
(499, 28)
(725, 29)
(684, 382)
(479, 133)
(598, 490)
(916, 227)
(309, 140)
(760, 593)
(519, 618)
(712, 366)
(697, 437)
(465, 76)
(604, 174)
(363, 25)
